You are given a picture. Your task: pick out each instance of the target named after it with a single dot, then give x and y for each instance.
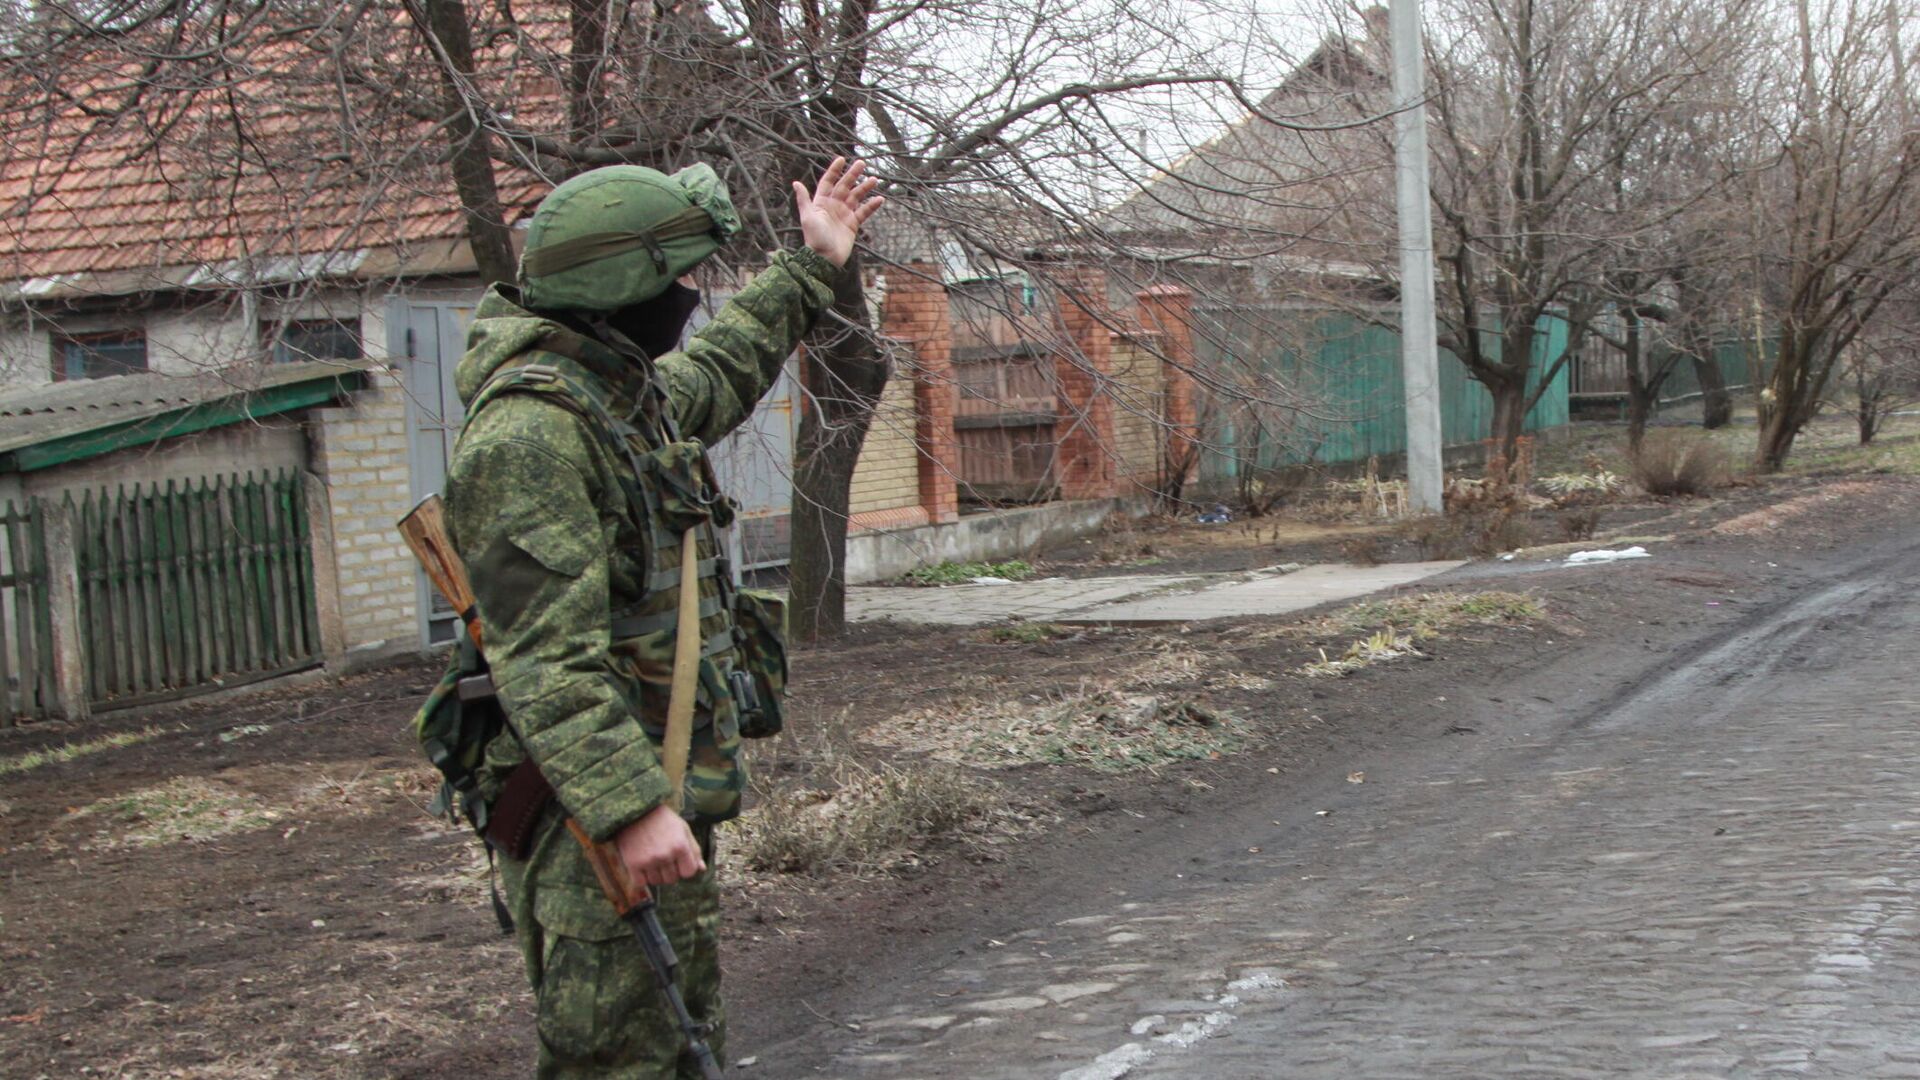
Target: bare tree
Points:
(1548, 148)
(317, 130)
(1835, 192)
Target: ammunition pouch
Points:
(759, 679)
(460, 717)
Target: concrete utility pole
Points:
(1419, 347)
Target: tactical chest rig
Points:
(669, 500)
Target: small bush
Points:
(1580, 523)
(955, 573)
(1362, 551)
(1468, 534)
(871, 820)
(1499, 531)
(1027, 633)
(1674, 462)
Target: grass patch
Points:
(1031, 633)
(1896, 456)
(1426, 615)
(866, 820)
(1382, 645)
(1100, 728)
(69, 751)
(1394, 627)
(960, 573)
(185, 808)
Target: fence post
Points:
(63, 598)
(326, 573)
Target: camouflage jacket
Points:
(537, 511)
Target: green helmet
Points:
(619, 235)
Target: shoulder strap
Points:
(530, 377)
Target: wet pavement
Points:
(1714, 874)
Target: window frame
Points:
(273, 334)
(88, 342)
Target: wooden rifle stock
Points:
(425, 531)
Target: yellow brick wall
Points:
(888, 474)
(1136, 389)
(360, 451)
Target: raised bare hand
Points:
(831, 216)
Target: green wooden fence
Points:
(193, 585)
(1332, 391)
(26, 623)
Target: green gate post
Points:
(63, 593)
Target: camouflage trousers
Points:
(601, 1013)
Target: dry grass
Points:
(69, 751)
(868, 819)
(1424, 615)
(1768, 518)
(1393, 627)
(1673, 461)
(1370, 650)
(1109, 727)
(185, 808)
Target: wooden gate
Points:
(26, 622)
(1004, 423)
(194, 586)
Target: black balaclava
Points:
(656, 324)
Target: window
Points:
(96, 356)
(314, 339)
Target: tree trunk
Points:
(1509, 411)
(844, 375)
(1716, 402)
(445, 23)
(1776, 440)
(1640, 389)
(1868, 397)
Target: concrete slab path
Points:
(1276, 595)
(1138, 598)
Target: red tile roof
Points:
(122, 174)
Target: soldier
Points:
(578, 474)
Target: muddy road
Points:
(1701, 860)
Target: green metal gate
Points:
(194, 586)
(26, 624)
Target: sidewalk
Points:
(1140, 598)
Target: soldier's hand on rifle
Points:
(840, 203)
(659, 849)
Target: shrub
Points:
(953, 573)
(1675, 462)
(1580, 523)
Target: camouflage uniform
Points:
(537, 510)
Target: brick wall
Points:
(1084, 462)
(1125, 396)
(906, 473)
(887, 477)
(1138, 404)
(360, 451)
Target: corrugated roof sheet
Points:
(60, 410)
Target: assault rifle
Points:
(425, 531)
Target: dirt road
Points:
(1703, 863)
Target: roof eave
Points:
(147, 430)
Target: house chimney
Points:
(1376, 18)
